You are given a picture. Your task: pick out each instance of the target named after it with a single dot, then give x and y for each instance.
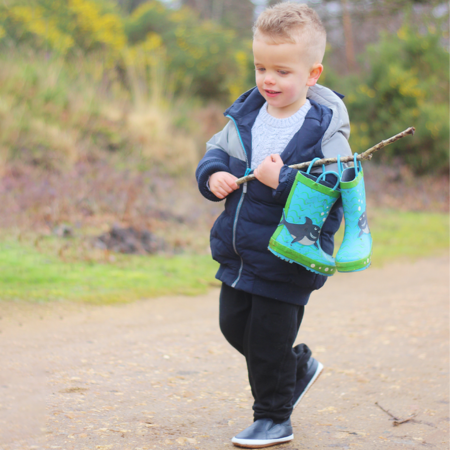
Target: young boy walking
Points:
(286, 119)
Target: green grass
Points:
(31, 274)
(27, 274)
(405, 235)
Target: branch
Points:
(367, 155)
(396, 423)
(396, 420)
(387, 412)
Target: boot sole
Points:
(313, 380)
(354, 266)
(261, 443)
(275, 248)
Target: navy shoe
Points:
(313, 370)
(264, 433)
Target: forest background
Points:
(105, 107)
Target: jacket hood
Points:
(340, 121)
(252, 100)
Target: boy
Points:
(285, 119)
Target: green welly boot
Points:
(296, 238)
(356, 249)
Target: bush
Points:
(201, 57)
(63, 26)
(198, 57)
(405, 83)
(56, 114)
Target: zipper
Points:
(241, 200)
(238, 209)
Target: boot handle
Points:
(324, 174)
(311, 164)
(357, 164)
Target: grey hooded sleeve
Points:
(335, 139)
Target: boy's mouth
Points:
(271, 93)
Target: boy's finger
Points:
(231, 178)
(226, 188)
(232, 184)
(220, 193)
(276, 158)
(229, 185)
(216, 193)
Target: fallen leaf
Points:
(73, 390)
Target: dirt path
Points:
(157, 374)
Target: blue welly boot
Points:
(356, 249)
(296, 238)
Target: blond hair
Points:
(293, 22)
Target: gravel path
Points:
(157, 374)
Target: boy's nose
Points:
(269, 79)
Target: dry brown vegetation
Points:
(76, 151)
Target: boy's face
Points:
(283, 74)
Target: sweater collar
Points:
(286, 122)
(252, 101)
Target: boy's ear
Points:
(314, 74)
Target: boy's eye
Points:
(260, 69)
(282, 72)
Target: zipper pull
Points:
(247, 172)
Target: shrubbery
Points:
(199, 57)
(404, 82)
(157, 52)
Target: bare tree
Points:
(348, 36)
(236, 14)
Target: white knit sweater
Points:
(271, 135)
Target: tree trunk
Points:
(348, 37)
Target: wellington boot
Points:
(356, 249)
(296, 238)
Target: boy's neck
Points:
(287, 111)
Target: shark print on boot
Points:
(363, 225)
(306, 234)
(297, 237)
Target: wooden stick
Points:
(367, 155)
(387, 412)
(396, 423)
(396, 420)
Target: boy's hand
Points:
(222, 184)
(268, 172)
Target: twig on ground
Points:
(386, 411)
(399, 422)
(396, 421)
(367, 155)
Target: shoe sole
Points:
(260, 443)
(313, 379)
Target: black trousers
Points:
(264, 331)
